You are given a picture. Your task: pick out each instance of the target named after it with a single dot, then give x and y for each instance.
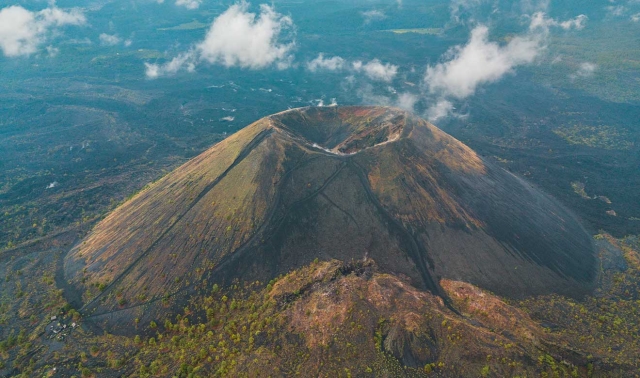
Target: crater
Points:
(343, 130)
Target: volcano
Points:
(330, 183)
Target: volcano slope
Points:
(330, 183)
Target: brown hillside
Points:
(330, 183)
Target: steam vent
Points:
(342, 183)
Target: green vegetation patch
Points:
(193, 25)
(604, 327)
(605, 137)
(429, 31)
(578, 188)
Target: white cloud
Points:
(407, 101)
(373, 15)
(152, 70)
(616, 10)
(480, 61)
(83, 41)
(237, 38)
(240, 38)
(23, 31)
(189, 4)
(330, 64)
(539, 20)
(441, 109)
(368, 94)
(375, 70)
(585, 69)
(184, 61)
(109, 40)
(577, 23)
(52, 51)
(360, 77)
(635, 17)
(380, 95)
(57, 17)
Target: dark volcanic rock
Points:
(330, 183)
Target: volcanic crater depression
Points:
(339, 183)
(341, 136)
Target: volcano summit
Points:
(325, 183)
